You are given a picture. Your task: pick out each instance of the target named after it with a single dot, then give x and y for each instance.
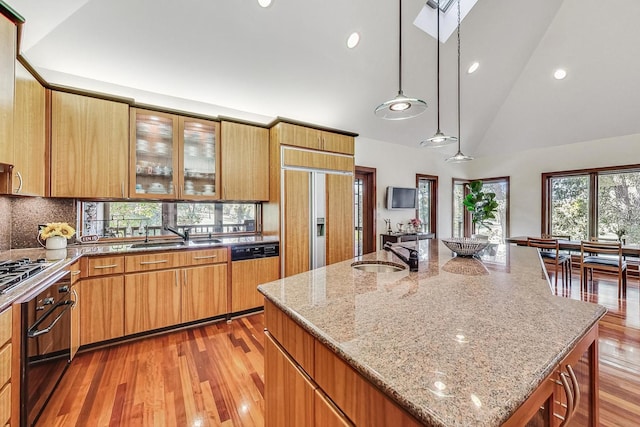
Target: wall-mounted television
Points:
(402, 198)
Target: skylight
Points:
(444, 4)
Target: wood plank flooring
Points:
(213, 375)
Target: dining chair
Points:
(550, 253)
(603, 256)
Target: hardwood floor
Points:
(213, 375)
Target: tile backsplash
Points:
(26, 213)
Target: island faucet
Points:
(185, 235)
(412, 261)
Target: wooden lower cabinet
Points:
(152, 300)
(246, 276)
(102, 309)
(290, 394)
(204, 292)
(327, 413)
(5, 365)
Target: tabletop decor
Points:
(56, 234)
(464, 246)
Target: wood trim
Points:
(310, 125)
(369, 203)
(433, 215)
(10, 13)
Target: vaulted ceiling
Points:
(234, 58)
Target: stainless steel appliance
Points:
(45, 347)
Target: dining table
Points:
(630, 250)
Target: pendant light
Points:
(401, 107)
(459, 157)
(439, 139)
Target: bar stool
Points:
(603, 256)
(549, 252)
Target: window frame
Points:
(433, 201)
(593, 174)
(467, 222)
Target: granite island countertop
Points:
(461, 342)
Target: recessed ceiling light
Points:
(264, 3)
(353, 40)
(559, 74)
(473, 67)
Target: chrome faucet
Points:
(412, 261)
(185, 235)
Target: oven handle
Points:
(34, 332)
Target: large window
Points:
(133, 219)
(427, 202)
(498, 228)
(603, 203)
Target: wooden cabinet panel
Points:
(298, 136)
(295, 340)
(5, 364)
(152, 300)
(245, 162)
(5, 404)
(338, 143)
(205, 256)
(355, 396)
(89, 147)
(29, 135)
(102, 266)
(102, 309)
(153, 261)
(7, 63)
(289, 393)
(5, 325)
(296, 222)
(204, 292)
(327, 414)
(75, 320)
(308, 159)
(246, 276)
(339, 221)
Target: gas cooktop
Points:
(14, 272)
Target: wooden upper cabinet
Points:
(245, 162)
(29, 135)
(173, 157)
(314, 139)
(7, 61)
(89, 147)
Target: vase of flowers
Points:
(56, 235)
(416, 224)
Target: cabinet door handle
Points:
(576, 388)
(100, 267)
(205, 257)
(122, 188)
(177, 278)
(568, 390)
(19, 181)
(160, 261)
(75, 272)
(184, 273)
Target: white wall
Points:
(397, 165)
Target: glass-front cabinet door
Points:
(154, 159)
(200, 159)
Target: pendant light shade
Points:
(459, 157)
(439, 139)
(401, 107)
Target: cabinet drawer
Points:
(5, 326)
(102, 266)
(5, 404)
(295, 340)
(154, 261)
(74, 270)
(206, 256)
(5, 364)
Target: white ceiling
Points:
(234, 58)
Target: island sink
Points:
(378, 267)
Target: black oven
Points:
(46, 344)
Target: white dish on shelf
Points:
(208, 193)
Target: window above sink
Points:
(206, 221)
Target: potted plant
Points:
(482, 205)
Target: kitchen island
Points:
(461, 342)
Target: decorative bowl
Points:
(464, 246)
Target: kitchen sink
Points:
(378, 266)
(151, 245)
(205, 241)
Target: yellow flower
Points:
(57, 229)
